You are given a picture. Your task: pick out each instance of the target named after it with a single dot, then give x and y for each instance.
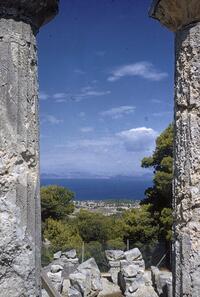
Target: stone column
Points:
(20, 225)
(183, 17)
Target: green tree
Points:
(92, 226)
(114, 227)
(140, 227)
(56, 202)
(160, 194)
(62, 235)
(115, 244)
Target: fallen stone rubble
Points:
(127, 272)
(62, 266)
(86, 280)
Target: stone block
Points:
(130, 271)
(74, 293)
(70, 254)
(57, 255)
(56, 268)
(133, 255)
(114, 255)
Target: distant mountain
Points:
(81, 175)
(72, 175)
(47, 175)
(146, 176)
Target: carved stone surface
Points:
(187, 163)
(19, 165)
(182, 16)
(86, 280)
(176, 14)
(114, 257)
(34, 12)
(19, 148)
(162, 281)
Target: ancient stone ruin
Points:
(129, 280)
(60, 269)
(20, 212)
(20, 225)
(130, 273)
(73, 279)
(114, 257)
(183, 18)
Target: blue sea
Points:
(102, 189)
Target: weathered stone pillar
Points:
(183, 17)
(20, 224)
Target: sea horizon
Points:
(102, 188)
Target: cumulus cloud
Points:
(143, 69)
(118, 112)
(138, 139)
(116, 154)
(51, 119)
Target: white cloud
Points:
(96, 93)
(51, 119)
(138, 139)
(118, 112)
(59, 95)
(144, 69)
(85, 92)
(88, 92)
(43, 96)
(61, 100)
(112, 155)
(82, 144)
(86, 89)
(87, 129)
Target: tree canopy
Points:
(61, 235)
(160, 195)
(140, 225)
(56, 202)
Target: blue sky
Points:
(106, 87)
